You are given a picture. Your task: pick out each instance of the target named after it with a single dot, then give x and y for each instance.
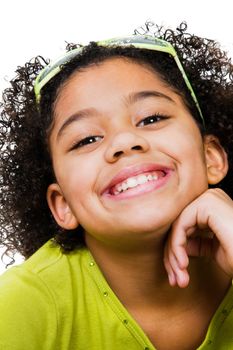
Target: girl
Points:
(116, 160)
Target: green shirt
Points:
(56, 301)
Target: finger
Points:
(183, 278)
(181, 255)
(168, 267)
(180, 273)
(176, 275)
(171, 275)
(177, 245)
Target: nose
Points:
(125, 144)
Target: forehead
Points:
(111, 76)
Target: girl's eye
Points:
(152, 119)
(86, 141)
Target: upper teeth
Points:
(134, 181)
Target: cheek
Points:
(184, 140)
(76, 178)
(185, 148)
(178, 146)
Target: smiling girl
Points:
(116, 160)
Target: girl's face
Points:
(127, 154)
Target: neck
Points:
(138, 278)
(138, 275)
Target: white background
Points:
(29, 27)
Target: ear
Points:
(60, 208)
(216, 159)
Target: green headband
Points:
(137, 41)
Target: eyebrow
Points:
(137, 96)
(130, 99)
(83, 114)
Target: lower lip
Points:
(140, 190)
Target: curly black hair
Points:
(25, 162)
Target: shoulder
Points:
(46, 270)
(25, 282)
(48, 277)
(27, 275)
(27, 307)
(36, 296)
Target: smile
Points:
(136, 181)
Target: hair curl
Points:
(26, 167)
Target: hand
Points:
(212, 212)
